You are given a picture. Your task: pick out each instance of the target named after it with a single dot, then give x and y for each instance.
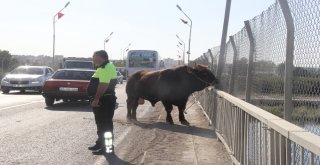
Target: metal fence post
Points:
(223, 42)
(250, 65)
(234, 65)
(206, 59)
(288, 79)
(212, 59)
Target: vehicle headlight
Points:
(37, 81)
(5, 80)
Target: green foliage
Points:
(276, 110)
(5, 59)
(300, 114)
(303, 113)
(268, 84)
(119, 63)
(306, 86)
(7, 62)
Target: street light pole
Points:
(106, 40)
(189, 32)
(54, 32)
(179, 59)
(180, 48)
(124, 50)
(184, 49)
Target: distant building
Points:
(169, 62)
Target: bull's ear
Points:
(202, 67)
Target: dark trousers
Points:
(103, 116)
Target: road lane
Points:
(31, 133)
(15, 98)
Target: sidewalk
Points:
(179, 144)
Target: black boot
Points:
(103, 151)
(95, 147)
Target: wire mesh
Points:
(269, 33)
(242, 43)
(228, 63)
(209, 58)
(306, 15)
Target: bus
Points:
(142, 60)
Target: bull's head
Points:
(204, 74)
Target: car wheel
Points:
(49, 101)
(65, 100)
(5, 90)
(22, 91)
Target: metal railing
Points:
(255, 136)
(273, 62)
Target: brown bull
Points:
(170, 86)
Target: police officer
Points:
(101, 91)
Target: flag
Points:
(184, 21)
(60, 15)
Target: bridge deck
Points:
(179, 144)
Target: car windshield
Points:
(33, 71)
(73, 75)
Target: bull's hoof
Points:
(129, 118)
(170, 121)
(185, 122)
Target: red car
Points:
(68, 85)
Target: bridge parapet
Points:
(255, 136)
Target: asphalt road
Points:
(32, 133)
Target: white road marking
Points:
(32, 102)
(143, 158)
(145, 152)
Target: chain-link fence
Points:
(270, 66)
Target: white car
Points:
(119, 77)
(26, 78)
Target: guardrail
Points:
(254, 136)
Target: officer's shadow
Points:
(115, 160)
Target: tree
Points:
(281, 69)
(264, 66)
(242, 66)
(5, 58)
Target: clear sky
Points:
(26, 25)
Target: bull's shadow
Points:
(192, 130)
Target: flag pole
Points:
(54, 32)
(54, 39)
